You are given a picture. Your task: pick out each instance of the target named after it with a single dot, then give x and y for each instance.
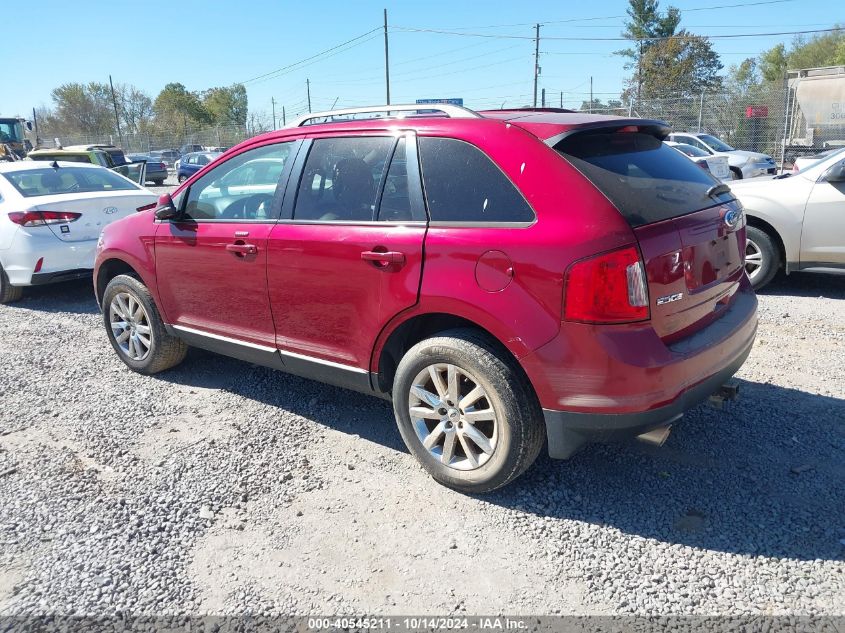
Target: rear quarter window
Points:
(462, 184)
(646, 180)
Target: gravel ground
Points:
(221, 487)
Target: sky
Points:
(207, 43)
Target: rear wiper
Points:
(717, 189)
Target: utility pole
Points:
(35, 125)
(116, 116)
(536, 60)
(386, 60)
(591, 93)
(284, 120)
(561, 99)
(543, 101)
(308, 90)
(273, 101)
(639, 73)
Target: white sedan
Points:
(795, 221)
(51, 215)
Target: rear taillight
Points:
(43, 218)
(703, 164)
(607, 288)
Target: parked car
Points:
(116, 154)
(92, 156)
(743, 164)
(795, 221)
(190, 148)
(167, 156)
(505, 277)
(156, 169)
(715, 164)
(189, 164)
(805, 161)
(51, 216)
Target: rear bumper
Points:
(567, 431)
(604, 383)
(75, 259)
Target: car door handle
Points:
(383, 258)
(242, 249)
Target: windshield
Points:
(824, 156)
(47, 181)
(716, 144)
(11, 132)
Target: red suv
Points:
(505, 277)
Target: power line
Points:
(328, 50)
(618, 39)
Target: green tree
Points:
(226, 106)
(646, 26)
(135, 107)
(177, 108)
(83, 109)
(824, 49)
(681, 66)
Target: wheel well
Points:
(422, 327)
(108, 271)
(767, 228)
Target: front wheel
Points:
(466, 412)
(762, 259)
(136, 330)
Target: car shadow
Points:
(75, 296)
(798, 284)
(762, 477)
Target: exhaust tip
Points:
(656, 437)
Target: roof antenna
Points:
(55, 164)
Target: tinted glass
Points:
(689, 150)
(241, 188)
(395, 205)
(70, 158)
(716, 144)
(645, 179)
(341, 179)
(463, 185)
(49, 181)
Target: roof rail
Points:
(453, 111)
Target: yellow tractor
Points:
(14, 144)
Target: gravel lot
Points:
(221, 487)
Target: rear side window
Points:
(462, 184)
(69, 158)
(342, 178)
(49, 181)
(646, 180)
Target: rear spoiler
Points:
(660, 129)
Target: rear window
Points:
(69, 158)
(48, 181)
(645, 179)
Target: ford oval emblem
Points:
(110, 210)
(732, 218)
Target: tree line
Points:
(89, 109)
(666, 61)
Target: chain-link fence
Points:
(753, 122)
(213, 137)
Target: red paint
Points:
(337, 292)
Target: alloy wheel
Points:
(453, 416)
(753, 259)
(130, 326)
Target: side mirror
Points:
(166, 210)
(835, 174)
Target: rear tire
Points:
(158, 183)
(8, 292)
(762, 257)
(736, 173)
(502, 429)
(136, 330)
(181, 178)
